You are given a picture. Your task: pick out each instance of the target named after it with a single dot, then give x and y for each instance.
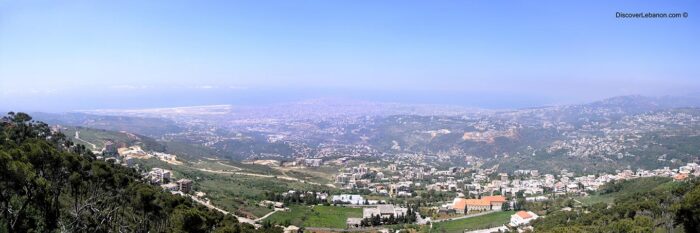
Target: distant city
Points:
(397, 163)
(349, 116)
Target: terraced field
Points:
(316, 216)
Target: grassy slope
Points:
(295, 216)
(317, 216)
(94, 136)
(628, 188)
(98, 137)
(235, 193)
(474, 223)
(639, 196)
(332, 216)
(320, 175)
(189, 151)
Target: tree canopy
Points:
(49, 184)
(643, 205)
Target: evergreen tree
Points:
(49, 184)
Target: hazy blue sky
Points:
(63, 55)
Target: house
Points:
(464, 206)
(495, 201)
(459, 205)
(680, 177)
(384, 211)
(185, 185)
(389, 210)
(110, 148)
(291, 229)
(312, 162)
(342, 179)
(537, 198)
(349, 199)
(522, 218)
(157, 175)
(275, 204)
(370, 212)
(477, 205)
(133, 151)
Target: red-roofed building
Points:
(680, 176)
(495, 201)
(464, 206)
(522, 218)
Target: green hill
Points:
(99, 137)
(49, 184)
(651, 204)
(154, 127)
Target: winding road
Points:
(288, 178)
(240, 219)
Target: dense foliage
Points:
(48, 184)
(644, 205)
(298, 197)
(376, 220)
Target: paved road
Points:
(231, 166)
(259, 175)
(284, 177)
(323, 229)
(208, 205)
(267, 215)
(93, 145)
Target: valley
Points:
(237, 164)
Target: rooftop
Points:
(524, 214)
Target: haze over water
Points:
(61, 56)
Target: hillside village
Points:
(382, 188)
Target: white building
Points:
(312, 162)
(522, 218)
(347, 198)
(384, 211)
